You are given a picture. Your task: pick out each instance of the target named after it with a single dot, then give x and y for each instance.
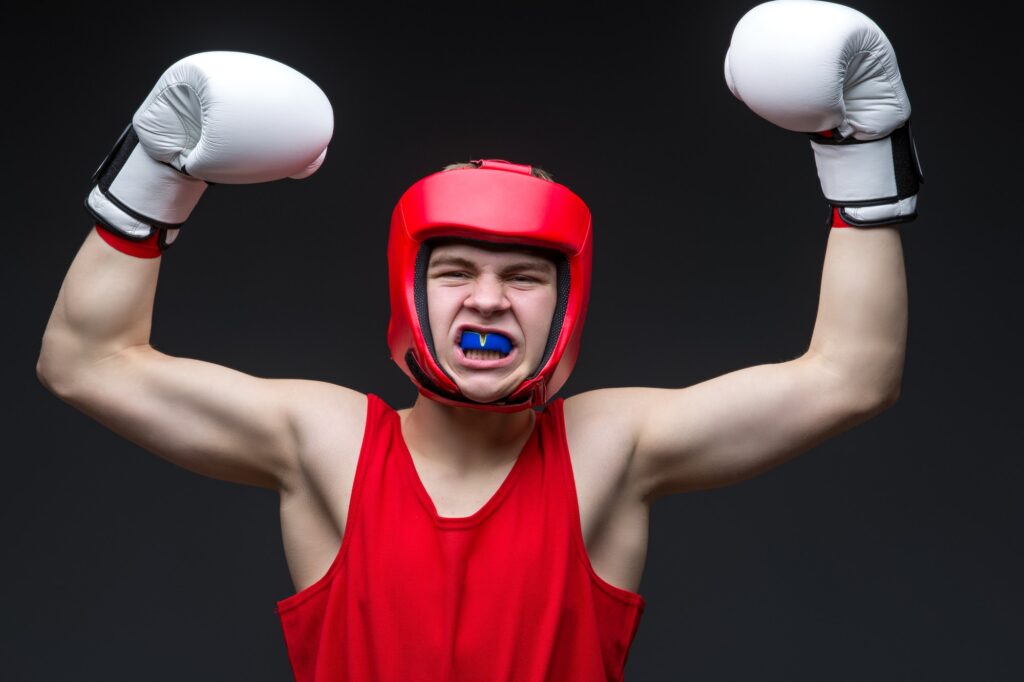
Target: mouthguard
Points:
(489, 341)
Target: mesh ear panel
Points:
(420, 298)
(560, 307)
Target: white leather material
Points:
(126, 224)
(213, 117)
(110, 214)
(824, 68)
(234, 118)
(856, 172)
(155, 189)
(311, 168)
(812, 66)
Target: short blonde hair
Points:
(536, 171)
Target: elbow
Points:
(890, 393)
(869, 392)
(51, 380)
(864, 400)
(879, 390)
(44, 377)
(878, 401)
(888, 400)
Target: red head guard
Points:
(499, 202)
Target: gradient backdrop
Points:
(891, 552)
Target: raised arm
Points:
(827, 71)
(96, 356)
(733, 427)
(212, 118)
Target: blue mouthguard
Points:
(489, 341)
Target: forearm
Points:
(105, 304)
(861, 328)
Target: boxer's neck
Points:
(462, 438)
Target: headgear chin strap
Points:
(498, 202)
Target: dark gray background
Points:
(891, 552)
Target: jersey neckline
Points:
(489, 507)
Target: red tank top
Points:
(505, 595)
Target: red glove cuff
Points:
(147, 248)
(837, 218)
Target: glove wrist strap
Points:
(871, 182)
(136, 196)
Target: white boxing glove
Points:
(211, 118)
(829, 71)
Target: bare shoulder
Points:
(328, 422)
(601, 428)
(608, 414)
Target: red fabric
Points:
(837, 218)
(505, 595)
(148, 248)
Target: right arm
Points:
(212, 420)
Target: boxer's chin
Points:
(485, 389)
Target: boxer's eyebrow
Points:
(458, 261)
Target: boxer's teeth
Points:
(474, 354)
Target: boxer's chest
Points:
(614, 523)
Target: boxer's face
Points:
(507, 291)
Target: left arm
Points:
(740, 424)
(827, 71)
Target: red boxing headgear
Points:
(498, 202)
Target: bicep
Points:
(209, 419)
(740, 424)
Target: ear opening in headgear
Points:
(423, 316)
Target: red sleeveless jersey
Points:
(505, 595)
